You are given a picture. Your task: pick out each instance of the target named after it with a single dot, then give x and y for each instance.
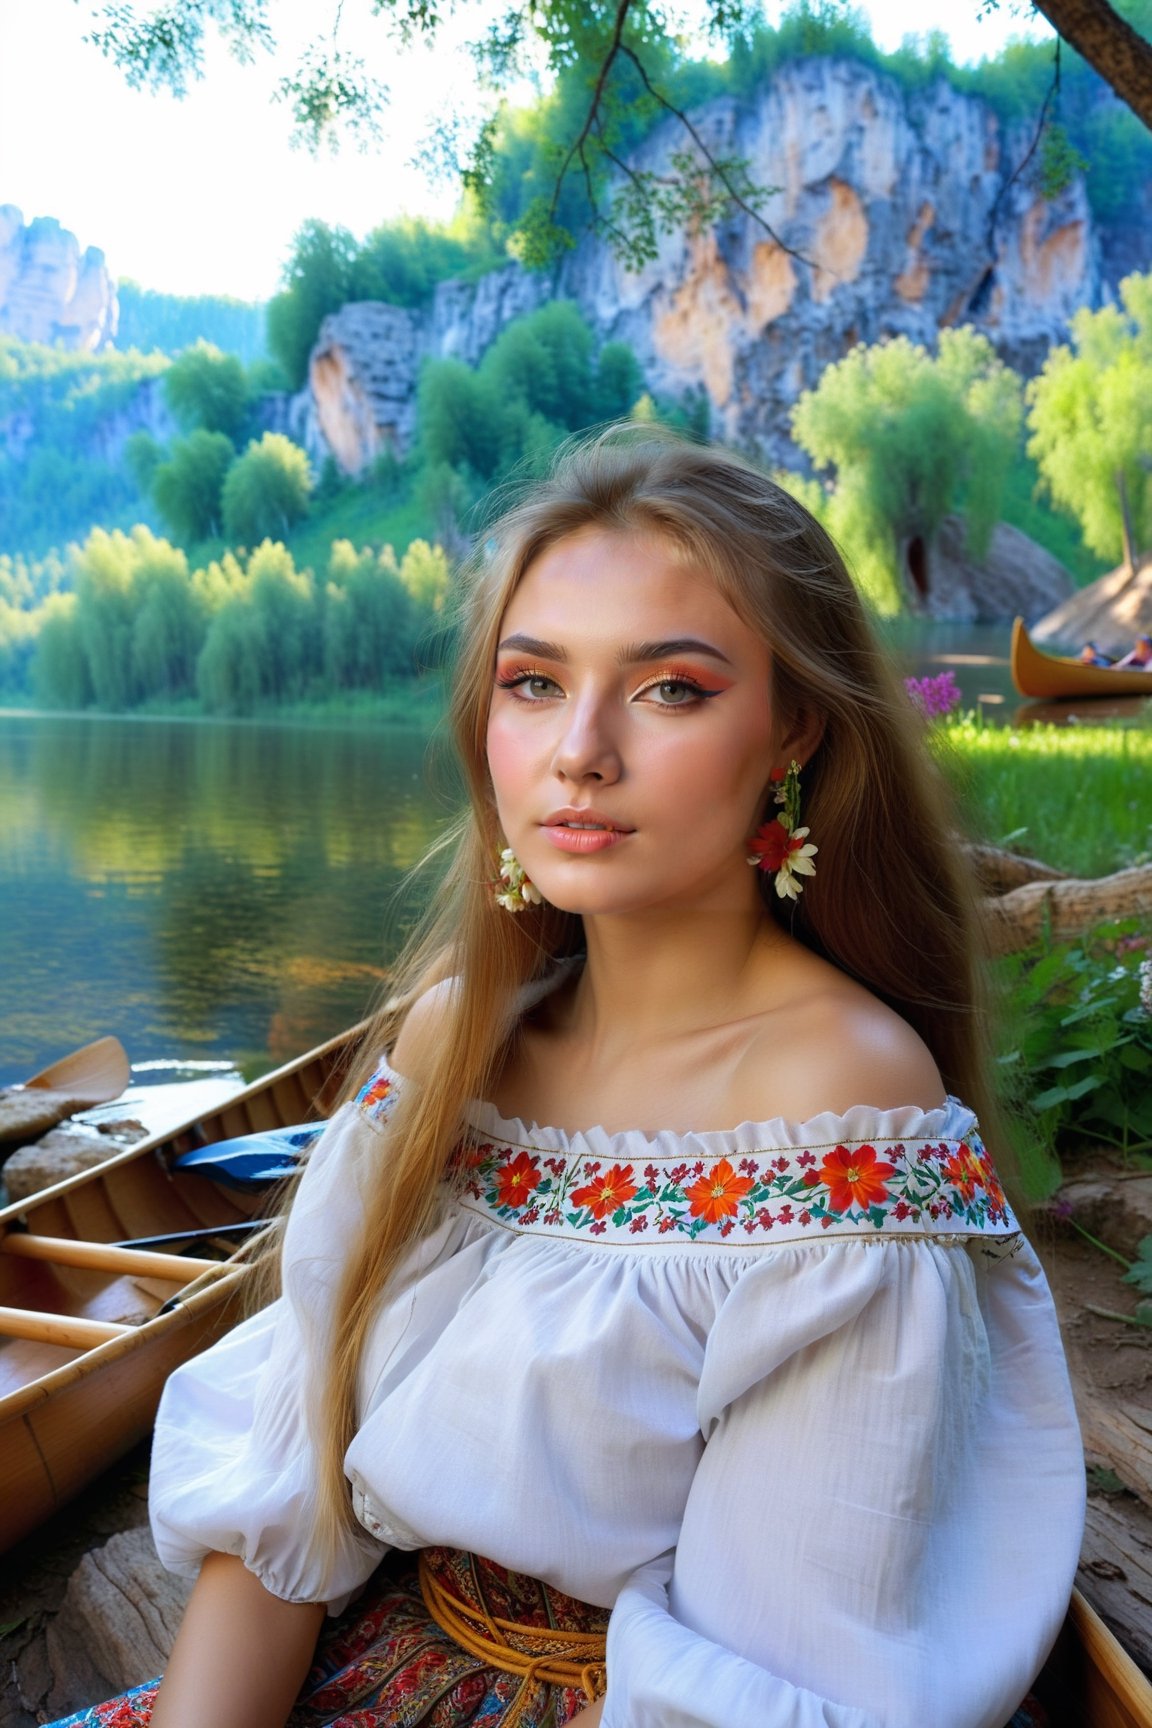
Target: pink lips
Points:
(582, 831)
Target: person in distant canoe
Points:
(1140, 654)
(1091, 655)
(657, 1347)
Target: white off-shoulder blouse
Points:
(790, 1400)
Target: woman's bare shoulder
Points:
(423, 1030)
(831, 1047)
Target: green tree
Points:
(264, 642)
(317, 281)
(106, 614)
(60, 674)
(187, 487)
(142, 456)
(426, 573)
(205, 388)
(170, 622)
(266, 490)
(368, 620)
(461, 419)
(228, 671)
(283, 602)
(1090, 416)
(908, 437)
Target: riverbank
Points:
(419, 705)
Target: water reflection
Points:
(201, 890)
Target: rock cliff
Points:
(895, 213)
(49, 290)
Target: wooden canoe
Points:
(1053, 677)
(84, 1346)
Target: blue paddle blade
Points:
(252, 1160)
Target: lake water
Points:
(213, 894)
(222, 895)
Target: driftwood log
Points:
(1022, 899)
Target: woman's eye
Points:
(673, 693)
(529, 686)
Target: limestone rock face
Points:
(49, 290)
(892, 213)
(1111, 612)
(1015, 576)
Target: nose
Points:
(587, 748)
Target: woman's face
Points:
(630, 738)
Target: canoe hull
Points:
(1053, 678)
(67, 1414)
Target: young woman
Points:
(701, 1363)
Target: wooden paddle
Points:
(94, 1074)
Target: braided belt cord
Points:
(545, 1655)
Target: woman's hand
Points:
(588, 1718)
(241, 1654)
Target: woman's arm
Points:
(241, 1654)
(588, 1718)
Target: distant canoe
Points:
(1055, 677)
(89, 1330)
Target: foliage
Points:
(266, 490)
(60, 478)
(239, 634)
(1091, 419)
(317, 281)
(368, 619)
(151, 321)
(205, 388)
(187, 486)
(614, 69)
(1078, 1056)
(910, 436)
(540, 379)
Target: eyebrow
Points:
(632, 654)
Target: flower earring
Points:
(780, 844)
(512, 888)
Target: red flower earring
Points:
(780, 845)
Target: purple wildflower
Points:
(936, 695)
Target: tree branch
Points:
(717, 168)
(1109, 43)
(577, 150)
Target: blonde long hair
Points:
(890, 904)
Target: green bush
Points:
(1076, 1062)
(187, 487)
(266, 490)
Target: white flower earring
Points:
(780, 844)
(512, 889)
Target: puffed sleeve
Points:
(233, 1461)
(884, 1525)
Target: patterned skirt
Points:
(385, 1661)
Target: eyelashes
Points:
(517, 677)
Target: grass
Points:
(1077, 796)
(362, 515)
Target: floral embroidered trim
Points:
(941, 1188)
(926, 1187)
(377, 1097)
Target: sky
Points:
(204, 195)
